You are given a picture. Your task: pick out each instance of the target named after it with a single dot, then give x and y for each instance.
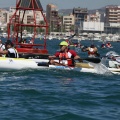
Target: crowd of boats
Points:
(64, 36)
(86, 36)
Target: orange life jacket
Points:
(63, 55)
(66, 56)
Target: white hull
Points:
(9, 64)
(87, 70)
(72, 68)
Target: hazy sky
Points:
(90, 4)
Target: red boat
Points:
(17, 24)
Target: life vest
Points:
(108, 45)
(91, 51)
(2, 47)
(64, 58)
(12, 53)
(64, 55)
(103, 46)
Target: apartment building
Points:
(68, 23)
(80, 15)
(112, 14)
(112, 19)
(54, 20)
(94, 17)
(28, 18)
(3, 16)
(93, 23)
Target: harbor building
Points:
(80, 15)
(68, 23)
(28, 18)
(94, 17)
(93, 23)
(3, 19)
(113, 14)
(112, 19)
(54, 20)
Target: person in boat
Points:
(10, 51)
(25, 41)
(92, 51)
(2, 46)
(65, 55)
(108, 45)
(21, 41)
(103, 46)
(31, 41)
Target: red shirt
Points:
(72, 52)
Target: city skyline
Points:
(90, 4)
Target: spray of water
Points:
(101, 69)
(111, 53)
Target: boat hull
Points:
(80, 69)
(9, 64)
(84, 69)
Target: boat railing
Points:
(29, 45)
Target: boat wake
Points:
(101, 69)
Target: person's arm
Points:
(4, 52)
(52, 57)
(76, 57)
(84, 49)
(95, 50)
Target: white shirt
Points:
(2, 47)
(13, 51)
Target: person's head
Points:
(8, 44)
(63, 46)
(92, 46)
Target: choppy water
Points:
(59, 95)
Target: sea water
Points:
(58, 94)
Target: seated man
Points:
(10, 50)
(92, 51)
(65, 55)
